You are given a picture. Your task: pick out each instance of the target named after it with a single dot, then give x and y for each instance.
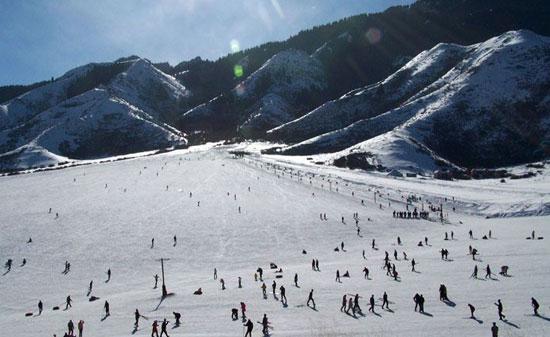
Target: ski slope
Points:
(101, 227)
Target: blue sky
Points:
(44, 38)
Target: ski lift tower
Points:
(164, 291)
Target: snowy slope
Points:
(111, 227)
(133, 112)
(274, 94)
(489, 109)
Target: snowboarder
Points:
(310, 299)
(80, 327)
(500, 308)
(163, 327)
(249, 326)
(535, 305)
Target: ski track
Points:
(100, 228)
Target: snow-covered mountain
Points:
(93, 111)
(483, 105)
(283, 88)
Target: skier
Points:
(366, 271)
(474, 274)
(263, 289)
(243, 310)
(350, 306)
(385, 301)
(338, 276)
(108, 275)
(471, 234)
(494, 330)
(344, 303)
(152, 243)
(175, 241)
(373, 243)
(364, 257)
(223, 283)
(240, 282)
(535, 305)
(156, 281)
(317, 265)
(177, 317)
(500, 308)
(68, 302)
(261, 273)
(155, 329)
(163, 327)
(472, 310)
(106, 306)
(413, 264)
(215, 273)
(136, 316)
(296, 280)
(421, 303)
(80, 327)
(70, 327)
(399, 241)
(310, 299)
(488, 273)
(249, 326)
(313, 264)
(283, 294)
(443, 293)
(265, 325)
(8, 264)
(371, 301)
(90, 288)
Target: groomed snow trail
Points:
(111, 227)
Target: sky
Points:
(44, 38)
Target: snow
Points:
(100, 228)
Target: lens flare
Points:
(238, 70)
(373, 35)
(234, 46)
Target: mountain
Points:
(287, 85)
(93, 111)
(362, 50)
(484, 105)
